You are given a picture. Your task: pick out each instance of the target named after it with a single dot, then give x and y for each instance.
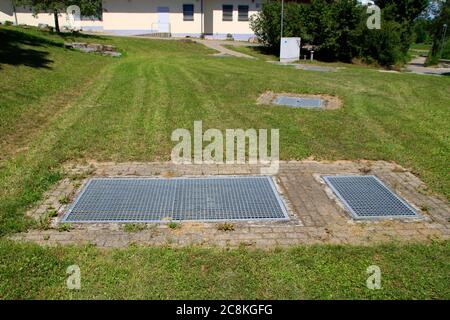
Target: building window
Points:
(188, 12)
(243, 13)
(227, 12)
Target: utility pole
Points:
(444, 33)
(282, 23)
(14, 12)
(202, 28)
(282, 18)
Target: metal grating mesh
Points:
(297, 102)
(367, 197)
(151, 200)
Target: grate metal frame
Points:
(282, 213)
(412, 213)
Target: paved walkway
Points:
(417, 66)
(218, 46)
(316, 216)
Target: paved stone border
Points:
(316, 214)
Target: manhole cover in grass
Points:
(297, 102)
(293, 100)
(366, 197)
(157, 199)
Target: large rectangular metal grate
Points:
(367, 197)
(154, 199)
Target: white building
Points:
(179, 18)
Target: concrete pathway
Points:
(417, 66)
(218, 46)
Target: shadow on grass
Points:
(263, 50)
(77, 36)
(13, 52)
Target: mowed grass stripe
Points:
(314, 272)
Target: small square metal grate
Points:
(366, 197)
(155, 199)
(297, 102)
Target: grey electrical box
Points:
(290, 49)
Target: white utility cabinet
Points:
(290, 49)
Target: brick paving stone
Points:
(316, 216)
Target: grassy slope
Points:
(87, 106)
(69, 105)
(326, 272)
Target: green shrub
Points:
(435, 53)
(267, 23)
(174, 225)
(446, 51)
(338, 29)
(383, 46)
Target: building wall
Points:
(6, 11)
(141, 16)
(132, 17)
(25, 16)
(239, 29)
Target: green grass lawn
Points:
(315, 272)
(58, 105)
(421, 46)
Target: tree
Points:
(404, 13)
(442, 17)
(88, 7)
(422, 30)
(334, 28)
(338, 28)
(404, 10)
(267, 23)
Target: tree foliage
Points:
(402, 11)
(442, 17)
(267, 24)
(91, 8)
(338, 30)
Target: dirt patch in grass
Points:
(330, 102)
